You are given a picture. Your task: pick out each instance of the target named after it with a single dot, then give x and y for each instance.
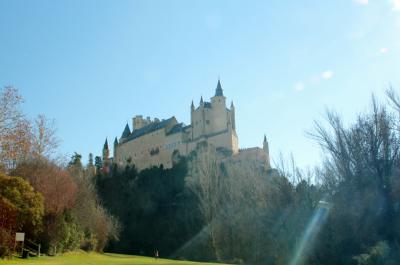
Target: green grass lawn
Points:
(77, 258)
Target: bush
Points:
(19, 195)
(65, 234)
(5, 243)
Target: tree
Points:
(53, 182)
(98, 163)
(90, 168)
(10, 112)
(19, 137)
(17, 195)
(98, 225)
(15, 130)
(44, 140)
(361, 174)
(8, 225)
(204, 182)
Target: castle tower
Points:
(218, 99)
(220, 119)
(192, 110)
(106, 151)
(266, 150)
(192, 107)
(115, 147)
(91, 168)
(106, 157)
(202, 115)
(233, 122)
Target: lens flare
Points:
(312, 229)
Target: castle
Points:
(159, 142)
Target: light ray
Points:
(310, 232)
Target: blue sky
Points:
(93, 65)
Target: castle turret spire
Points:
(106, 151)
(201, 101)
(115, 147)
(105, 147)
(192, 106)
(265, 144)
(266, 150)
(126, 131)
(233, 116)
(218, 90)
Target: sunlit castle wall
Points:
(155, 142)
(153, 148)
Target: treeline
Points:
(214, 208)
(54, 203)
(155, 210)
(209, 206)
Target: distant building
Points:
(158, 142)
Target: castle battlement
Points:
(155, 142)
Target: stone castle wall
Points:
(153, 142)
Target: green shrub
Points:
(68, 235)
(5, 243)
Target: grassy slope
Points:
(83, 258)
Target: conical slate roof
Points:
(218, 90)
(126, 131)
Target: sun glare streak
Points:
(203, 233)
(310, 232)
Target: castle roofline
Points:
(126, 131)
(179, 127)
(150, 128)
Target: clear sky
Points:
(93, 65)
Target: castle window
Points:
(207, 121)
(154, 151)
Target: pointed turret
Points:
(265, 142)
(105, 147)
(126, 131)
(115, 147)
(106, 151)
(218, 100)
(266, 150)
(218, 90)
(201, 101)
(192, 106)
(233, 116)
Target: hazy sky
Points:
(93, 65)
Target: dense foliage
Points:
(21, 209)
(214, 208)
(361, 176)
(210, 206)
(205, 209)
(53, 204)
(152, 206)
